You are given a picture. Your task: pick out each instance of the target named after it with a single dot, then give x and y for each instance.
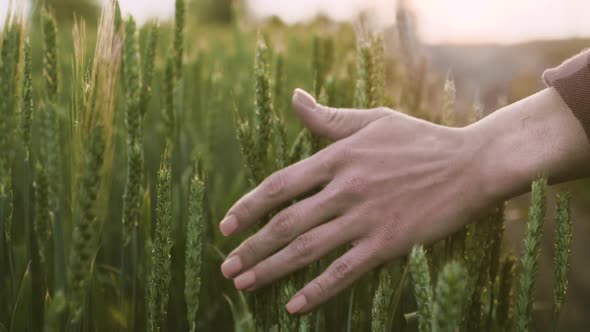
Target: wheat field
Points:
(124, 145)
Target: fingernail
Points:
(228, 225)
(232, 266)
(245, 280)
(304, 99)
(296, 304)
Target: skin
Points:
(390, 181)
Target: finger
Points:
(304, 250)
(337, 277)
(281, 229)
(333, 123)
(275, 190)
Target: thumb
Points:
(333, 123)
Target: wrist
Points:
(537, 136)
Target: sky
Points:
(440, 21)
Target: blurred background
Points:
(469, 39)
(495, 50)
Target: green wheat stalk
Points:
(212, 123)
(50, 56)
(42, 220)
(49, 149)
(303, 277)
(306, 321)
(147, 70)
(563, 241)
(133, 119)
(179, 27)
(317, 64)
(377, 73)
(160, 274)
(47, 168)
(478, 252)
(420, 274)
(530, 257)
(505, 295)
(262, 104)
(364, 68)
(280, 142)
(9, 58)
(477, 110)
(287, 322)
(279, 83)
(260, 137)
(194, 246)
(7, 218)
(27, 101)
(247, 145)
(255, 139)
(279, 131)
(85, 237)
(168, 95)
(382, 299)
(496, 234)
(449, 101)
(328, 95)
(328, 57)
(301, 148)
(447, 311)
(362, 99)
(322, 60)
(134, 183)
(54, 311)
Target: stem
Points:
(350, 309)
(490, 317)
(7, 242)
(26, 211)
(134, 275)
(132, 271)
(60, 271)
(3, 253)
(122, 283)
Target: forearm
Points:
(536, 136)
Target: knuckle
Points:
(355, 186)
(392, 231)
(282, 225)
(340, 270)
(325, 161)
(248, 250)
(243, 208)
(337, 157)
(343, 150)
(332, 115)
(274, 184)
(377, 249)
(303, 245)
(330, 119)
(384, 110)
(319, 289)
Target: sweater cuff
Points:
(572, 81)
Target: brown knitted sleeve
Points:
(572, 81)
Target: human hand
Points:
(387, 182)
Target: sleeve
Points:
(572, 81)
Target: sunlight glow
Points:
(439, 21)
